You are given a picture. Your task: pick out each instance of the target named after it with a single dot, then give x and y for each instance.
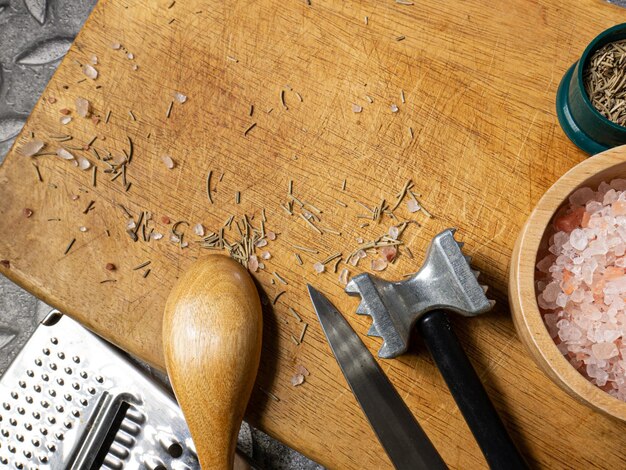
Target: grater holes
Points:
(83, 374)
(19, 465)
(91, 390)
(37, 388)
(59, 435)
(28, 399)
(52, 392)
(22, 384)
(45, 403)
(75, 413)
(43, 458)
(28, 426)
(76, 359)
(68, 370)
(5, 433)
(61, 355)
(54, 340)
(12, 421)
(11, 448)
(45, 377)
(60, 408)
(53, 366)
(38, 362)
(36, 442)
(51, 447)
(43, 431)
(67, 397)
(52, 419)
(4, 461)
(14, 395)
(6, 406)
(21, 410)
(46, 351)
(76, 386)
(99, 379)
(84, 401)
(36, 415)
(19, 438)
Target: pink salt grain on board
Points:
(253, 263)
(318, 267)
(581, 284)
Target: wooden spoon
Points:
(212, 339)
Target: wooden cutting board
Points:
(477, 134)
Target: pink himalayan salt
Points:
(319, 268)
(582, 285)
(253, 263)
(379, 264)
(389, 253)
(343, 276)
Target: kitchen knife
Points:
(400, 434)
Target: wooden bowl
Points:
(523, 297)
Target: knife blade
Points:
(404, 440)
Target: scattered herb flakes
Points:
(278, 296)
(303, 332)
(168, 113)
(38, 172)
(69, 246)
(208, 186)
(249, 128)
(89, 207)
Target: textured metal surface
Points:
(67, 391)
(397, 429)
(34, 36)
(445, 281)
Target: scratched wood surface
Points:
(479, 79)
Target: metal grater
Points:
(72, 401)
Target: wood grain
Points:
(212, 330)
(522, 293)
(479, 80)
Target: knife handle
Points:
(212, 331)
(468, 392)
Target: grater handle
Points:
(212, 331)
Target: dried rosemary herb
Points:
(605, 81)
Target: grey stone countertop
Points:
(34, 37)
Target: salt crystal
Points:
(82, 229)
(94, 60)
(64, 154)
(261, 265)
(83, 163)
(83, 107)
(156, 235)
(361, 254)
(413, 206)
(253, 263)
(31, 148)
(65, 120)
(130, 56)
(261, 243)
(319, 267)
(169, 162)
(578, 239)
(90, 71)
(394, 108)
(180, 97)
(266, 255)
(389, 253)
(300, 369)
(130, 224)
(297, 379)
(604, 350)
(394, 232)
(378, 264)
(610, 197)
(198, 229)
(271, 236)
(618, 184)
(356, 108)
(115, 45)
(581, 196)
(343, 276)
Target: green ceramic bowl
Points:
(582, 123)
